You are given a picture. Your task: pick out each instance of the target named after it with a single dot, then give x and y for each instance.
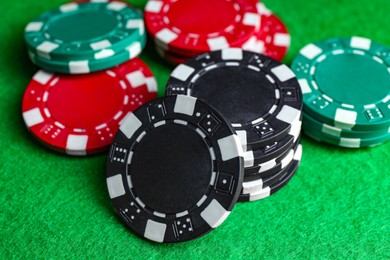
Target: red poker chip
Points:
(80, 114)
(201, 26)
(273, 38)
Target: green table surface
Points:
(55, 206)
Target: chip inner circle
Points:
(356, 79)
(77, 102)
(171, 168)
(202, 12)
(248, 87)
(82, 26)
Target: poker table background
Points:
(55, 206)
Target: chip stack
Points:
(345, 84)
(183, 29)
(227, 130)
(261, 99)
(98, 41)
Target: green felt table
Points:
(55, 206)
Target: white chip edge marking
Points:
(230, 147)
(185, 105)
(232, 54)
(155, 231)
(305, 87)
(34, 27)
(166, 36)
(182, 72)
(248, 159)
(78, 67)
(116, 6)
(282, 40)
(42, 77)
(243, 139)
(105, 53)
(286, 160)
(350, 142)
(45, 48)
(360, 43)
(251, 19)
(345, 118)
(310, 51)
(100, 45)
(154, 6)
(130, 125)
(134, 50)
(267, 165)
(264, 193)
(283, 73)
(115, 186)
(69, 7)
(214, 214)
(289, 114)
(217, 43)
(252, 186)
(33, 117)
(151, 84)
(331, 130)
(298, 153)
(136, 79)
(77, 144)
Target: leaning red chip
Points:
(202, 25)
(273, 38)
(80, 114)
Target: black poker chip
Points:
(259, 96)
(175, 169)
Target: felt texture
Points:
(55, 206)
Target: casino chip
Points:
(182, 31)
(262, 192)
(85, 37)
(175, 169)
(258, 95)
(80, 114)
(345, 86)
(345, 83)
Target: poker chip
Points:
(345, 83)
(265, 192)
(175, 169)
(272, 39)
(83, 37)
(182, 31)
(196, 26)
(234, 81)
(80, 114)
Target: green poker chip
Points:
(87, 66)
(344, 141)
(346, 83)
(315, 125)
(79, 31)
